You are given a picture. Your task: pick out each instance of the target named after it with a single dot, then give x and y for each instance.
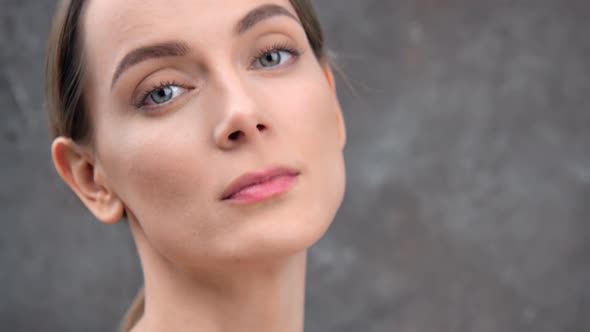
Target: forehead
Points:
(113, 27)
(123, 21)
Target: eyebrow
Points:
(262, 13)
(179, 48)
(160, 50)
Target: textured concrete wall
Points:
(468, 158)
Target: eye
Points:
(274, 57)
(161, 94)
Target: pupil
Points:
(162, 95)
(271, 59)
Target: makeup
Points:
(254, 187)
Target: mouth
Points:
(257, 186)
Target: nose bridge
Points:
(241, 114)
(240, 98)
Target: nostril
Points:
(235, 135)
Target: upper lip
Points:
(249, 179)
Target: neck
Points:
(259, 296)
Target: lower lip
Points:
(264, 190)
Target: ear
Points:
(329, 76)
(339, 118)
(76, 167)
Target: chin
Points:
(293, 225)
(270, 230)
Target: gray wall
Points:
(468, 177)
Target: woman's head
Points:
(157, 107)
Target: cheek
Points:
(312, 124)
(312, 121)
(155, 167)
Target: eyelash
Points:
(147, 92)
(278, 47)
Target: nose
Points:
(242, 121)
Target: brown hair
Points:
(64, 76)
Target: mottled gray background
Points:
(468, 177)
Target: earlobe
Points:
(76, 167)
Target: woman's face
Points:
(185, 97)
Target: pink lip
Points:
(253, 187)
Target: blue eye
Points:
(161, 94)
(274, 58)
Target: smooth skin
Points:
(169, 135)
